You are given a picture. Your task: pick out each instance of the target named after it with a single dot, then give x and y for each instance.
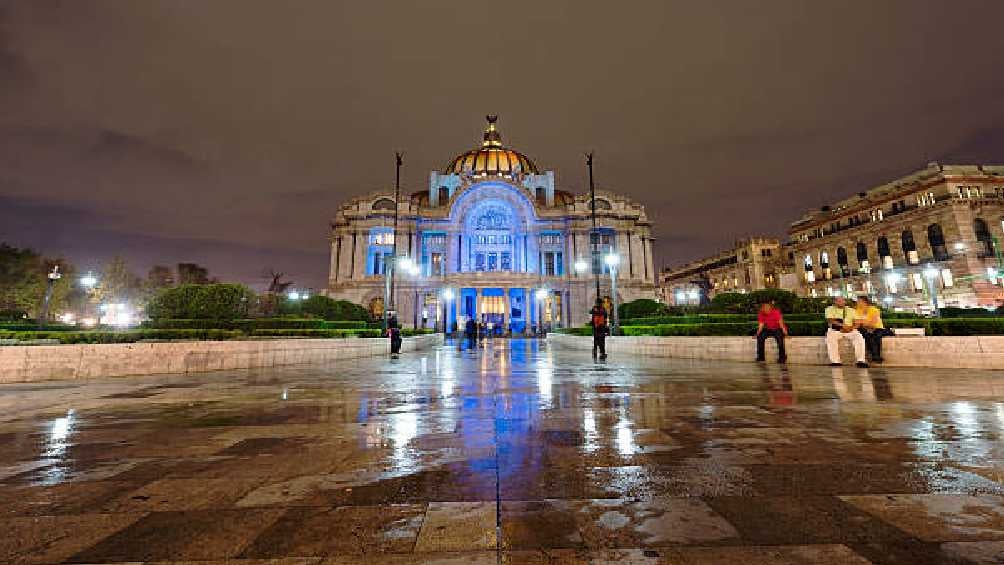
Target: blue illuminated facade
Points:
(493, 240)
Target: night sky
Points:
(228, 132)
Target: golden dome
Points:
(492, 158)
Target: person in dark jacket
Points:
(470, 332)
(394, 333)
(598, 321)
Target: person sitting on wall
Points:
(868, 320)
(770, 323)
(840, 321)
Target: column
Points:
(639, 255)
(333, 268)
(649, 262)
(359, 256)
(507, 311)
(477, 304)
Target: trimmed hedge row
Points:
(736, 318)
(316, 333)
(123, 336)
(932, 327)
(252, 325)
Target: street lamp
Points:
(580, 267)
(53, 276)
(89, 281)
(931, 274)
(293, 295)
(612, 260)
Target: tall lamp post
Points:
(613, 260)
(931, 274)
(53, 276)
(541, 295)
(594, 235)
(389, 266)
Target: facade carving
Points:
(494, 240)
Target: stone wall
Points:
(43, 362)
(969, 352)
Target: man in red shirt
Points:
(770, 323)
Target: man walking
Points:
(770, 323)
(840, 322)
(598, 320)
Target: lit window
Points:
(918, 281)
(946, 276)
(887, 262)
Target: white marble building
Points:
(493, 239)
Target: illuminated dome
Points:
(492, 158)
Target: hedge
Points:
(201, 301)
(123, 336)
(935, 326)
(317, 333)
(251, 325)
(32, 326)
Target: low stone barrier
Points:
(954, 352)
(45, 362)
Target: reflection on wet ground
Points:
(513, 453)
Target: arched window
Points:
(444, 195)
(883, 246)
(842, 261)
(885, 255)
(383, 204)
(983, 236)
(909, 247)
(808, 262)
(539, 195)
(824, 259)
(862, 252)
(936, 238)
(908, 243)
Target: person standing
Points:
(599, 323)
(840, 325)
(868, 320)
(394, 333)
(770, 323)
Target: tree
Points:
(118, 284)
(192, 273)
(641, 308)
(23, 280)
(336, 310)
(201, 301)
(159, 277)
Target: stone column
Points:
(359, 255)
(507, 310)
(477, 304)
(649, 261)
(333, 267)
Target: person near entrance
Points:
(840, 322)
(598, 321)
(471, 332)
(770, 323)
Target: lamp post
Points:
(52, 277)
(594, 235)
(389, 267)
(612, 260)
(931, 274)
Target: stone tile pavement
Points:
(509, 454)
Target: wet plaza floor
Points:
(512, 453)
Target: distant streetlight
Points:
(580, 266)
(293, 295)
(89, 281)
(612, 260)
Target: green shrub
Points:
(32, 326)
(202, 302)
(950, 312)
(317, 333)
(643, 307)
(409, 332)
(334, 310)
(123, 336)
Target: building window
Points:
(444, 195)
(383, 204)
(967, 192)
(925, 199)
(842, 261)
(765, 253)
(824, 260)
(983, 237)
(877, 215)
(947, 278)
(936, 238)
(506, 261)
(436, 263)
(918, 281)
(909, 247)
(861, 252)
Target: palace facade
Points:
(933, 234)
(492, 238)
